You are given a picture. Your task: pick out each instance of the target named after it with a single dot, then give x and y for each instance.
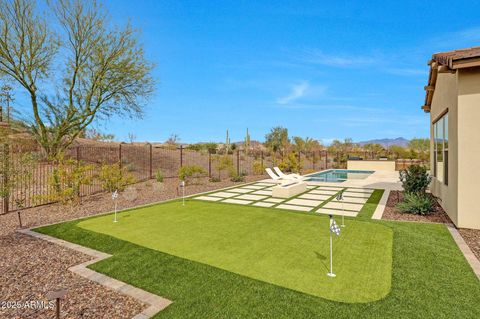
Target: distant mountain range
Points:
(386, 142)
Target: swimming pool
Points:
(338, 175)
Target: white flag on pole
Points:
(334, 227)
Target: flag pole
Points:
(331, 274)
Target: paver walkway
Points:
(319, 199)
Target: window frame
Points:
(445, 146)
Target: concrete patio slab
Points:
(273, 200)
(212, 199)
(263, 204)
(223, 194)
(323, 192)
(314, 196)
(336, 212)
(240, 190)
(237, 201)
(346, 206)
(304, 202)
(263, 192)
(356, 200)
(251, 197)
(293, 207)
(359, 195)
(252, 187)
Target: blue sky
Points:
(323, 69)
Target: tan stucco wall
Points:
(446, 97)
(371, 165)
(469, 148)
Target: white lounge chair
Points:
(289, 176)
(273, 176)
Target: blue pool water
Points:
(338, 175)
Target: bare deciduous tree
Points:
(73, 65)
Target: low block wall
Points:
(371, 165)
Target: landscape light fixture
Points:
(57, 295)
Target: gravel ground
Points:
(472, 238)
(30, 267)
(392, 213)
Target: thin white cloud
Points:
(297, 91)
(316, 56)
(407, 71)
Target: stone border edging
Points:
(466, 251)
(378, 213)
(156, 303)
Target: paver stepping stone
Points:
(331, 188)
(223, 194)
(237, 201)
(252, 187)
(263, 204)
(251, 197)
(357, 200)
(336, 212)
(360, 195)
(360, 190)
(314, 196)
(304, 202)
(311, 186)
(240, 190)
(263, 192)
(293, 207)
(346, 206)
(213, 199)
(273, 200)
(323, 192)
(264, 184)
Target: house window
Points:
(440, 129)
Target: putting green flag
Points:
(334, 227)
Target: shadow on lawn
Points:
(322, 258)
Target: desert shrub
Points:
(237, 178)
(224, 163)
(416, 203)
(290, 163)
(214, 179)
(185, 173)
(67, 178)
(415, 179)
(113, 177)
(159, 176)
(258, 168)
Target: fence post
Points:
(77, 153)
(326, 159)
(120, 155)
(181, 155)
(6, 167)
(209, 164)
(151, 160)
(313, 160)
(261, 157)
(238, 162)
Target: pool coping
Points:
(155, 303)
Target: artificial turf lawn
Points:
(289, 250)
(430, 279)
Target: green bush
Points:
(416, 203)
(258, 168)
(215, 179)
(291, 163)
(185, 173)
(113, 177)
(415, 179)
(238, 178)
(159, 176)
